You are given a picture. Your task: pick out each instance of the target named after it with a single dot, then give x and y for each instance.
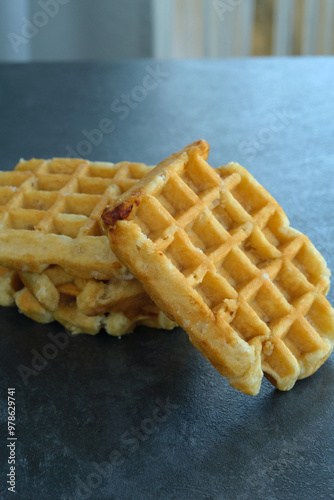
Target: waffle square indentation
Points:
(27, 219)
(6, 193)
(237, 269)
(200, 179)
(137, 170)
(247, 324)
(249, 196)
(273, 231)
(176, 197)
(308, 262)
(93, 185)
(69, 224)
(152, 218)
(291, 283)
(319, 317)
(30, 165)
(300, 339)
(206, 233)
(269, 305)
(183, 255)
(102, 170)
(214, 289)
(258, 249)
(51, 182)
(14, 179)
(229, 213)
(39, 200)
(80, 204)
(65, 166)
(281, 362)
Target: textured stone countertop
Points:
(147, 417)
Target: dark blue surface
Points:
(148, 408)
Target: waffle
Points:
(55, 254)
(52, 295)
(215, 252)
(98, 297)
(50, 212)
(9, 284)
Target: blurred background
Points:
(73, 30)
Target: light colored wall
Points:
(75, 29)
(10, 21)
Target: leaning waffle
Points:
(215, 252)
(50, 211)
(52, 295)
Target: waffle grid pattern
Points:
(233, 246)
(43, 201)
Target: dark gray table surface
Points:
(147, 417)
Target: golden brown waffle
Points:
(215, 252)
(50, 233)
(98, 297)
(9, 284)
(50, 212)
(52, 295)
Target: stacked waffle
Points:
(55, 262)
(208, 248)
